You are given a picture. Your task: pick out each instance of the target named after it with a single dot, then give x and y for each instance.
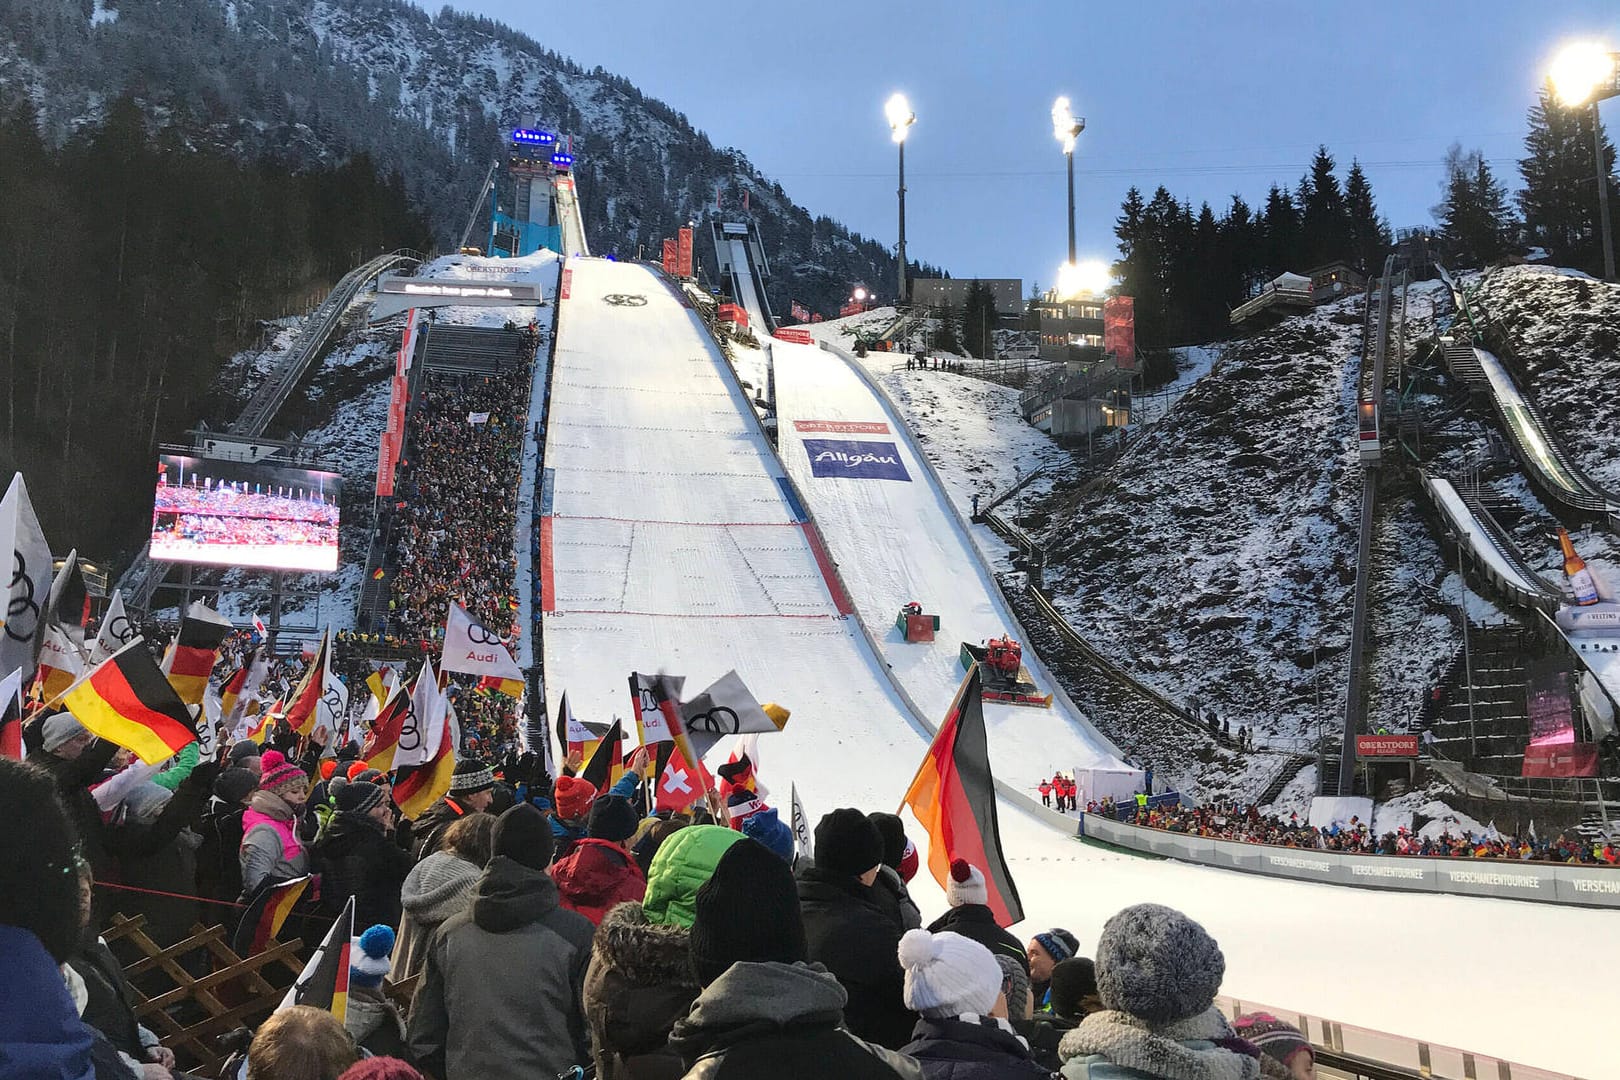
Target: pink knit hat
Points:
(275, 770)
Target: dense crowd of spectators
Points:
(545, 927)
(451, 534)
(1229, 821)
(228, 501)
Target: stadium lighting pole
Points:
(1585, 74)
(1066, 127)
(898, 112)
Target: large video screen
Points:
(237, 513)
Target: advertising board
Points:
(234, 513)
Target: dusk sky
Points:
(1205, 98)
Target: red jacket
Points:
(595, 876)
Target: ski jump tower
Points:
(524, 217)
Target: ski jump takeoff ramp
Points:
(671, 542)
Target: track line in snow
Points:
(686, 524)
(697, 614)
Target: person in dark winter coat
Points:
(1073, 997)
(599, 873)
(499, 997)
(470, 793)
(892, 877)
(763, 1010)
(954, 984)
(851, 931)
(219, 866)
(75, 759)
(970, 914)
(641, 978)
(357, 857)
(1157, 974)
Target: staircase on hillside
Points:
(472, 350)
(1287, 769)
(1490, 738)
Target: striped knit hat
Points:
(275, 770)
(1277, 1039)
(471, 776)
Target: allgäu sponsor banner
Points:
(855, 459)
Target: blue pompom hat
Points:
(370, 956)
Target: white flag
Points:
(29, 580)
(651, 723)
(331, 709)
(801, 826)
(208, 722)
(424, 724)
(116, 630)
(472, 649)
(725, 708)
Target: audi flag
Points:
(727, 707)
(473, 649)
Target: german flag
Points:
(259, 730)
(512, 688)
(126, 700)
(383, 738)
(266, 910)
(190, 659)
(954, 797)
(301, 706)
(378, 574)
(606, 764)
(418, 787)
(324, 982)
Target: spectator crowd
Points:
(541, 924)
(1229, 821)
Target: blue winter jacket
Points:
(41, 1035)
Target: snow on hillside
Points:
(1565, 336)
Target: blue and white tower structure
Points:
(524, 217)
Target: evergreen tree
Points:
(1324, 218)
(1559, 199)
(978, 320)
(1281, 227)
(1241, 245)
(1368, 237)
(1473, 215)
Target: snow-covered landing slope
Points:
(897, 540)
(669, 543)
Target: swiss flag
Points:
(679, 784)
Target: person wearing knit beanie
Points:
(573, 797)
(849, 845)
(63, 736)
(971, 916)
(1074, 989)
(276, 772)
(1285, 1053)
(471, 783)
(890, 886)
(1046, 950)
(748, 911)
(371, 1017)
(233, 786)
(360, 797)
(1157, 965)
(1157, 975)
(523, 835)
(612, 818)
(770, 830)
(853, 928)
(959, 990)
(354, 769)
(949, 975)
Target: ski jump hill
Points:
(674, 538)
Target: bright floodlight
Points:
(1065, 125)
(1579, 70)
(900, 116)
(1088, 278)
(858, 294)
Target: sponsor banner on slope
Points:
(1405, 746)
(854, 459)
(843, 427)
(1560, 760)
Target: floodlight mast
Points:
(898, 112)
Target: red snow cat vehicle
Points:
(914, 625)
(1003, 675)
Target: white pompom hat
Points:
(948, 975)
